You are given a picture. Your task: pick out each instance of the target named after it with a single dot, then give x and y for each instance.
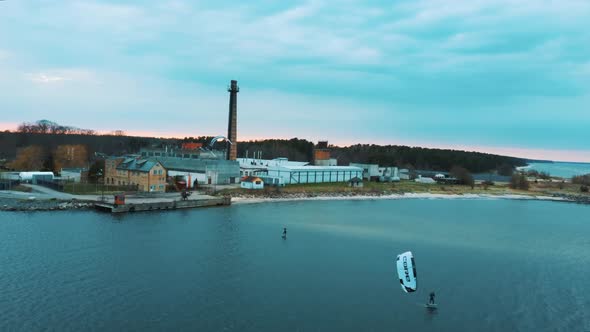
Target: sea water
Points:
(495, 265)
(565, 170)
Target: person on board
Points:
(285, 232)
(431, 300)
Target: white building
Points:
(252, 182)
(426, 180)
(370, 171)
(73, 174)
(283, 175)
(251, 166)
(389, 174)
(32, 176)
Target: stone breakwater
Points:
(42, 205)
(302, 195)
(574, 198)
(277, 196)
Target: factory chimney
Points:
(232, 128)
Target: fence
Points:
(86, 188)
(6, 184)
(51, 184)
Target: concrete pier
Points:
(155, 204)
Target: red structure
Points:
(120, 199)
(191, 146)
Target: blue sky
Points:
(504, 76)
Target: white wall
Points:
(252, 185)
(325, 175)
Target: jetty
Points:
(155, 204)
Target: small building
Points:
(252, 182)
(74, 174)
(321, 155)
(370, 171)
(355, 182)
(426, 180)
(33, 177)
(389, 174)
(404, 174)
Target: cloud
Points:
(451, 71)
(43, 78)
(4, 55)
(62, 75)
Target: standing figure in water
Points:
(284, 232)
(431, 300)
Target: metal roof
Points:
(137, 165)
(316, 168)
(191, 165)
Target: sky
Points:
(500, 76)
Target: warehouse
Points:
(202, 171)
(283, 175)
(251, 166)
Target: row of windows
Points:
(164, 154)
(123, 183)
(158, 172)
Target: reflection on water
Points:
(496, 265)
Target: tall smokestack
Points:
(232, 128)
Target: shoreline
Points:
(23, 204)
(239, 200)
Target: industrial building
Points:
(202, 171)
(283, 175)
(197, 165)
(321, 155)
(251, 166)
(372, 172)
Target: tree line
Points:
(49, 135)
(388, 155)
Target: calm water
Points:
(565, 170)
(496, 265)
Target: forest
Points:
(50, 139)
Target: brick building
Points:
(148, 175)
